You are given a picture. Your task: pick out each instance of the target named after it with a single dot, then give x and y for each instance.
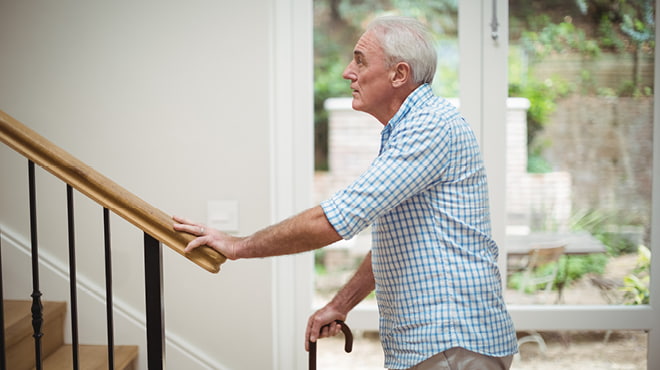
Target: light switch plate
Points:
(223, 215)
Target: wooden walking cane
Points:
(348, 344)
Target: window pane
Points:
(579, 152)
(337, 27)
(347, 141)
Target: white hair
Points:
(406, 40)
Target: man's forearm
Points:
(320, 324)
(358, 287)
(305, 231)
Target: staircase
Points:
(19, 342)
(156, 226)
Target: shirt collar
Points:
(419, 95)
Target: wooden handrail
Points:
(103, 190)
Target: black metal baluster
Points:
(108, 290)
(153, 281)
(3, 357)
(37, 307)
(72, 278)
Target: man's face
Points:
(370, 78)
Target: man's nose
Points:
(348, 73)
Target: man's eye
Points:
(358, 60)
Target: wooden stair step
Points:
(92, 358)
(18, 318)
(19, 341)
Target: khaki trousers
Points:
(461, 359)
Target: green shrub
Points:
(578, 266)
(636, 284)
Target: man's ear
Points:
(401, 74)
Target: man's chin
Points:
(356, 105)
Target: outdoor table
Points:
(579, 242)
(576, 243)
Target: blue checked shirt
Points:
(434, 261)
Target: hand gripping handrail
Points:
(102, 190)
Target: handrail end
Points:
(207, 258)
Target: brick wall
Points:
(606, 144)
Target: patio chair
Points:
(537, 257)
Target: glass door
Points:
(347, 141)
(579, 150)
(561, 95)
(579, 160)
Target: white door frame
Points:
(292, 165)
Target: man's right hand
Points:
(322, 324)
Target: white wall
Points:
(172, 100)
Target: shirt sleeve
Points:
(414, 157)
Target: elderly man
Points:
(433, 262)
